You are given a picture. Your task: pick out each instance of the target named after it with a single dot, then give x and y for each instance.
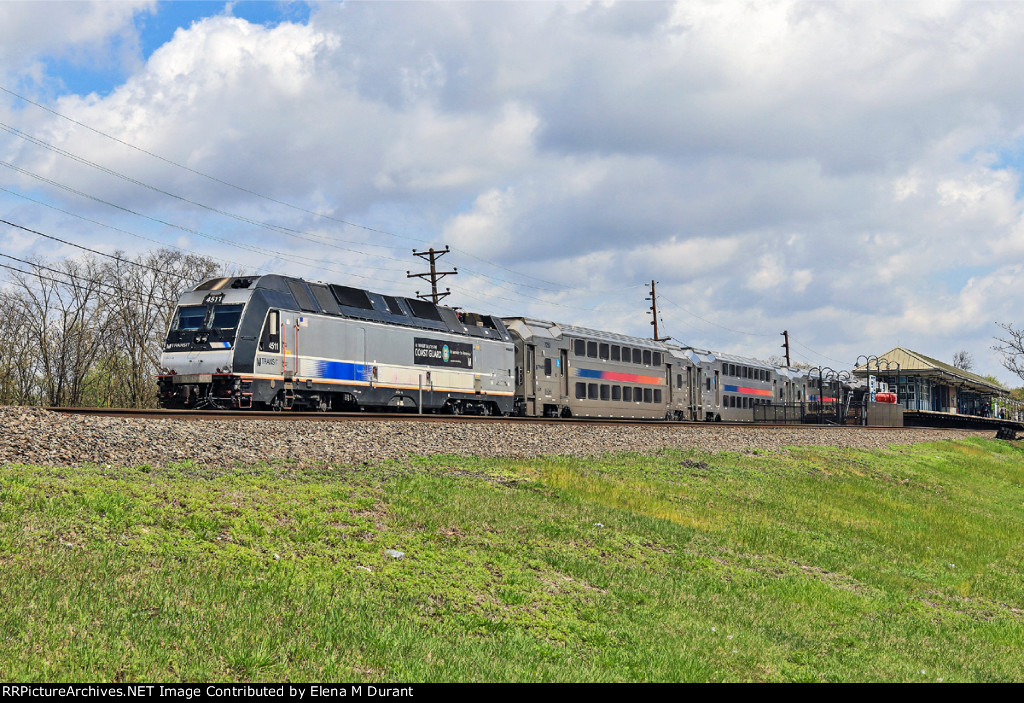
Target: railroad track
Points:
(288, 416)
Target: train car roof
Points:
(361, 304)
(746, 360)
(545, 329)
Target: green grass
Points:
(811, 565)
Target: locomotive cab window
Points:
(225, 317)
(190, 317)
(270, 340)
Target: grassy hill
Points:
(816, 564)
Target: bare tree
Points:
(1011, 346)
(65, 312)
(19, 362)
(963, 360)
(780, 362)
(146, 291)
(81, 332)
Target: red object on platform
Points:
(885, 397)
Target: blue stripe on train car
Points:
(342, 371)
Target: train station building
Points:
(928, 385)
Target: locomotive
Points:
(282, 343)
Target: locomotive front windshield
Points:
(198, 327)
(225, 317)
(189, 318)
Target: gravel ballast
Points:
(37, 436)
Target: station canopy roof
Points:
(912, 363)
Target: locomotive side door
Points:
(563, 369)
(290, 344)
(271, 344)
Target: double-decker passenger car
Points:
(280, 342)
(744, 383)
(570, 371)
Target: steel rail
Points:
(193, 415)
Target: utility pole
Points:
(433, 275)
(785, 334)
(654, 314)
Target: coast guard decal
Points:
(437, 352)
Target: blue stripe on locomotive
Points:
(342, 370)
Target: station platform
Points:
(927, 418)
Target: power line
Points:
(298, 234)
(728, 329)
(267, 197)
(94, 251)
(124, 231)
(259, 250)
(281, 229)
(823, 356)
(78, 279)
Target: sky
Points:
(847, 171)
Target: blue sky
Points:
(155, 27)
(774, 166)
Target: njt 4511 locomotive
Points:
(275, 342)
(281, 343)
